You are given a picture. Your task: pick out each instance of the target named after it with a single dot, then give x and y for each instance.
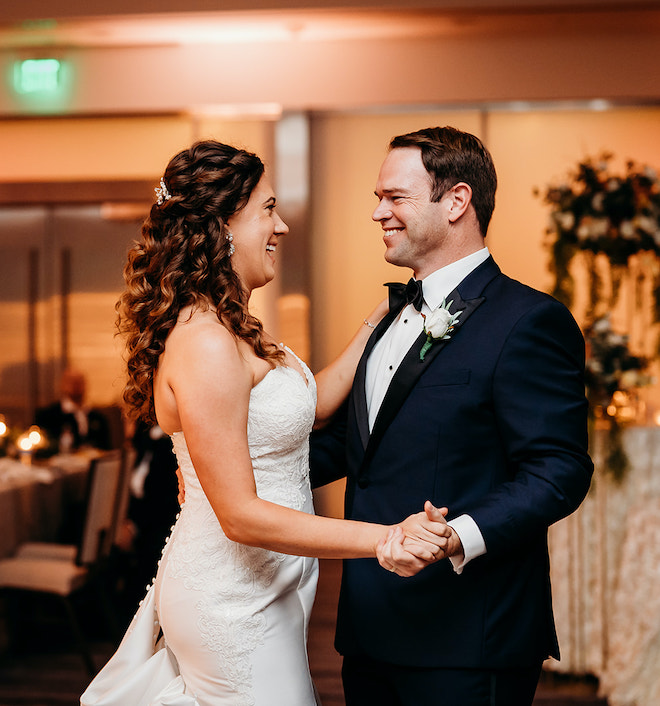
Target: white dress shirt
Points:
(80, 414)
(392, 348)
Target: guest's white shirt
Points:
(70, 407)
(391, 350)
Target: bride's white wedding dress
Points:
(234, 618)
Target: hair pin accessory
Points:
(162, 194)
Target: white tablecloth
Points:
(605, 571)
(34, 500)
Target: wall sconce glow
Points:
(37, 76)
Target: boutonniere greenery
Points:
(438, 326)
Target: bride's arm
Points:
(334, 381)
(211, 382)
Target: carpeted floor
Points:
(43, 670)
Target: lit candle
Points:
(25, 449)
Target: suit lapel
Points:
(465, 298)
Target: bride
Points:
(225, 623)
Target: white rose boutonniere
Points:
(438, 326)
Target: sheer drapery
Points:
(605, 569)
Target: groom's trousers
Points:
(372, 683)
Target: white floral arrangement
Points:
(600, 212)
(618, 214)
(438, 326)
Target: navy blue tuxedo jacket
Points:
(492, 423)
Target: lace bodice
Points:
(280, 419)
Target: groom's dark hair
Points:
(451, 156)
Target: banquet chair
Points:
(128, 457)
(112, 568)
(62, 570)
(54, 550)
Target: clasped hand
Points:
(418, 541)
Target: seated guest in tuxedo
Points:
(69, 423)
(152, 510)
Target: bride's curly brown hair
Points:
(183, 259)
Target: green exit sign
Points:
(37, 76)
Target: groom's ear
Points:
(460, 197)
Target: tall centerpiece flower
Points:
(438, 326)
(597, 212)
(608, 224)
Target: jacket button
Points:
(363, 482)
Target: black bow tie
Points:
(402, 294)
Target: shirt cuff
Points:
(471, 539)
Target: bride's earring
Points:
(232, 248)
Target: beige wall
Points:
(84, 148)
(112, 148)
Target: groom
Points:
(488, 419)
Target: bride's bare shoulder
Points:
(199, 369)
(199, 332)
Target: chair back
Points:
(102, 489)
(128, 456)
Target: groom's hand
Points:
(429, 530)
(454, 546)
